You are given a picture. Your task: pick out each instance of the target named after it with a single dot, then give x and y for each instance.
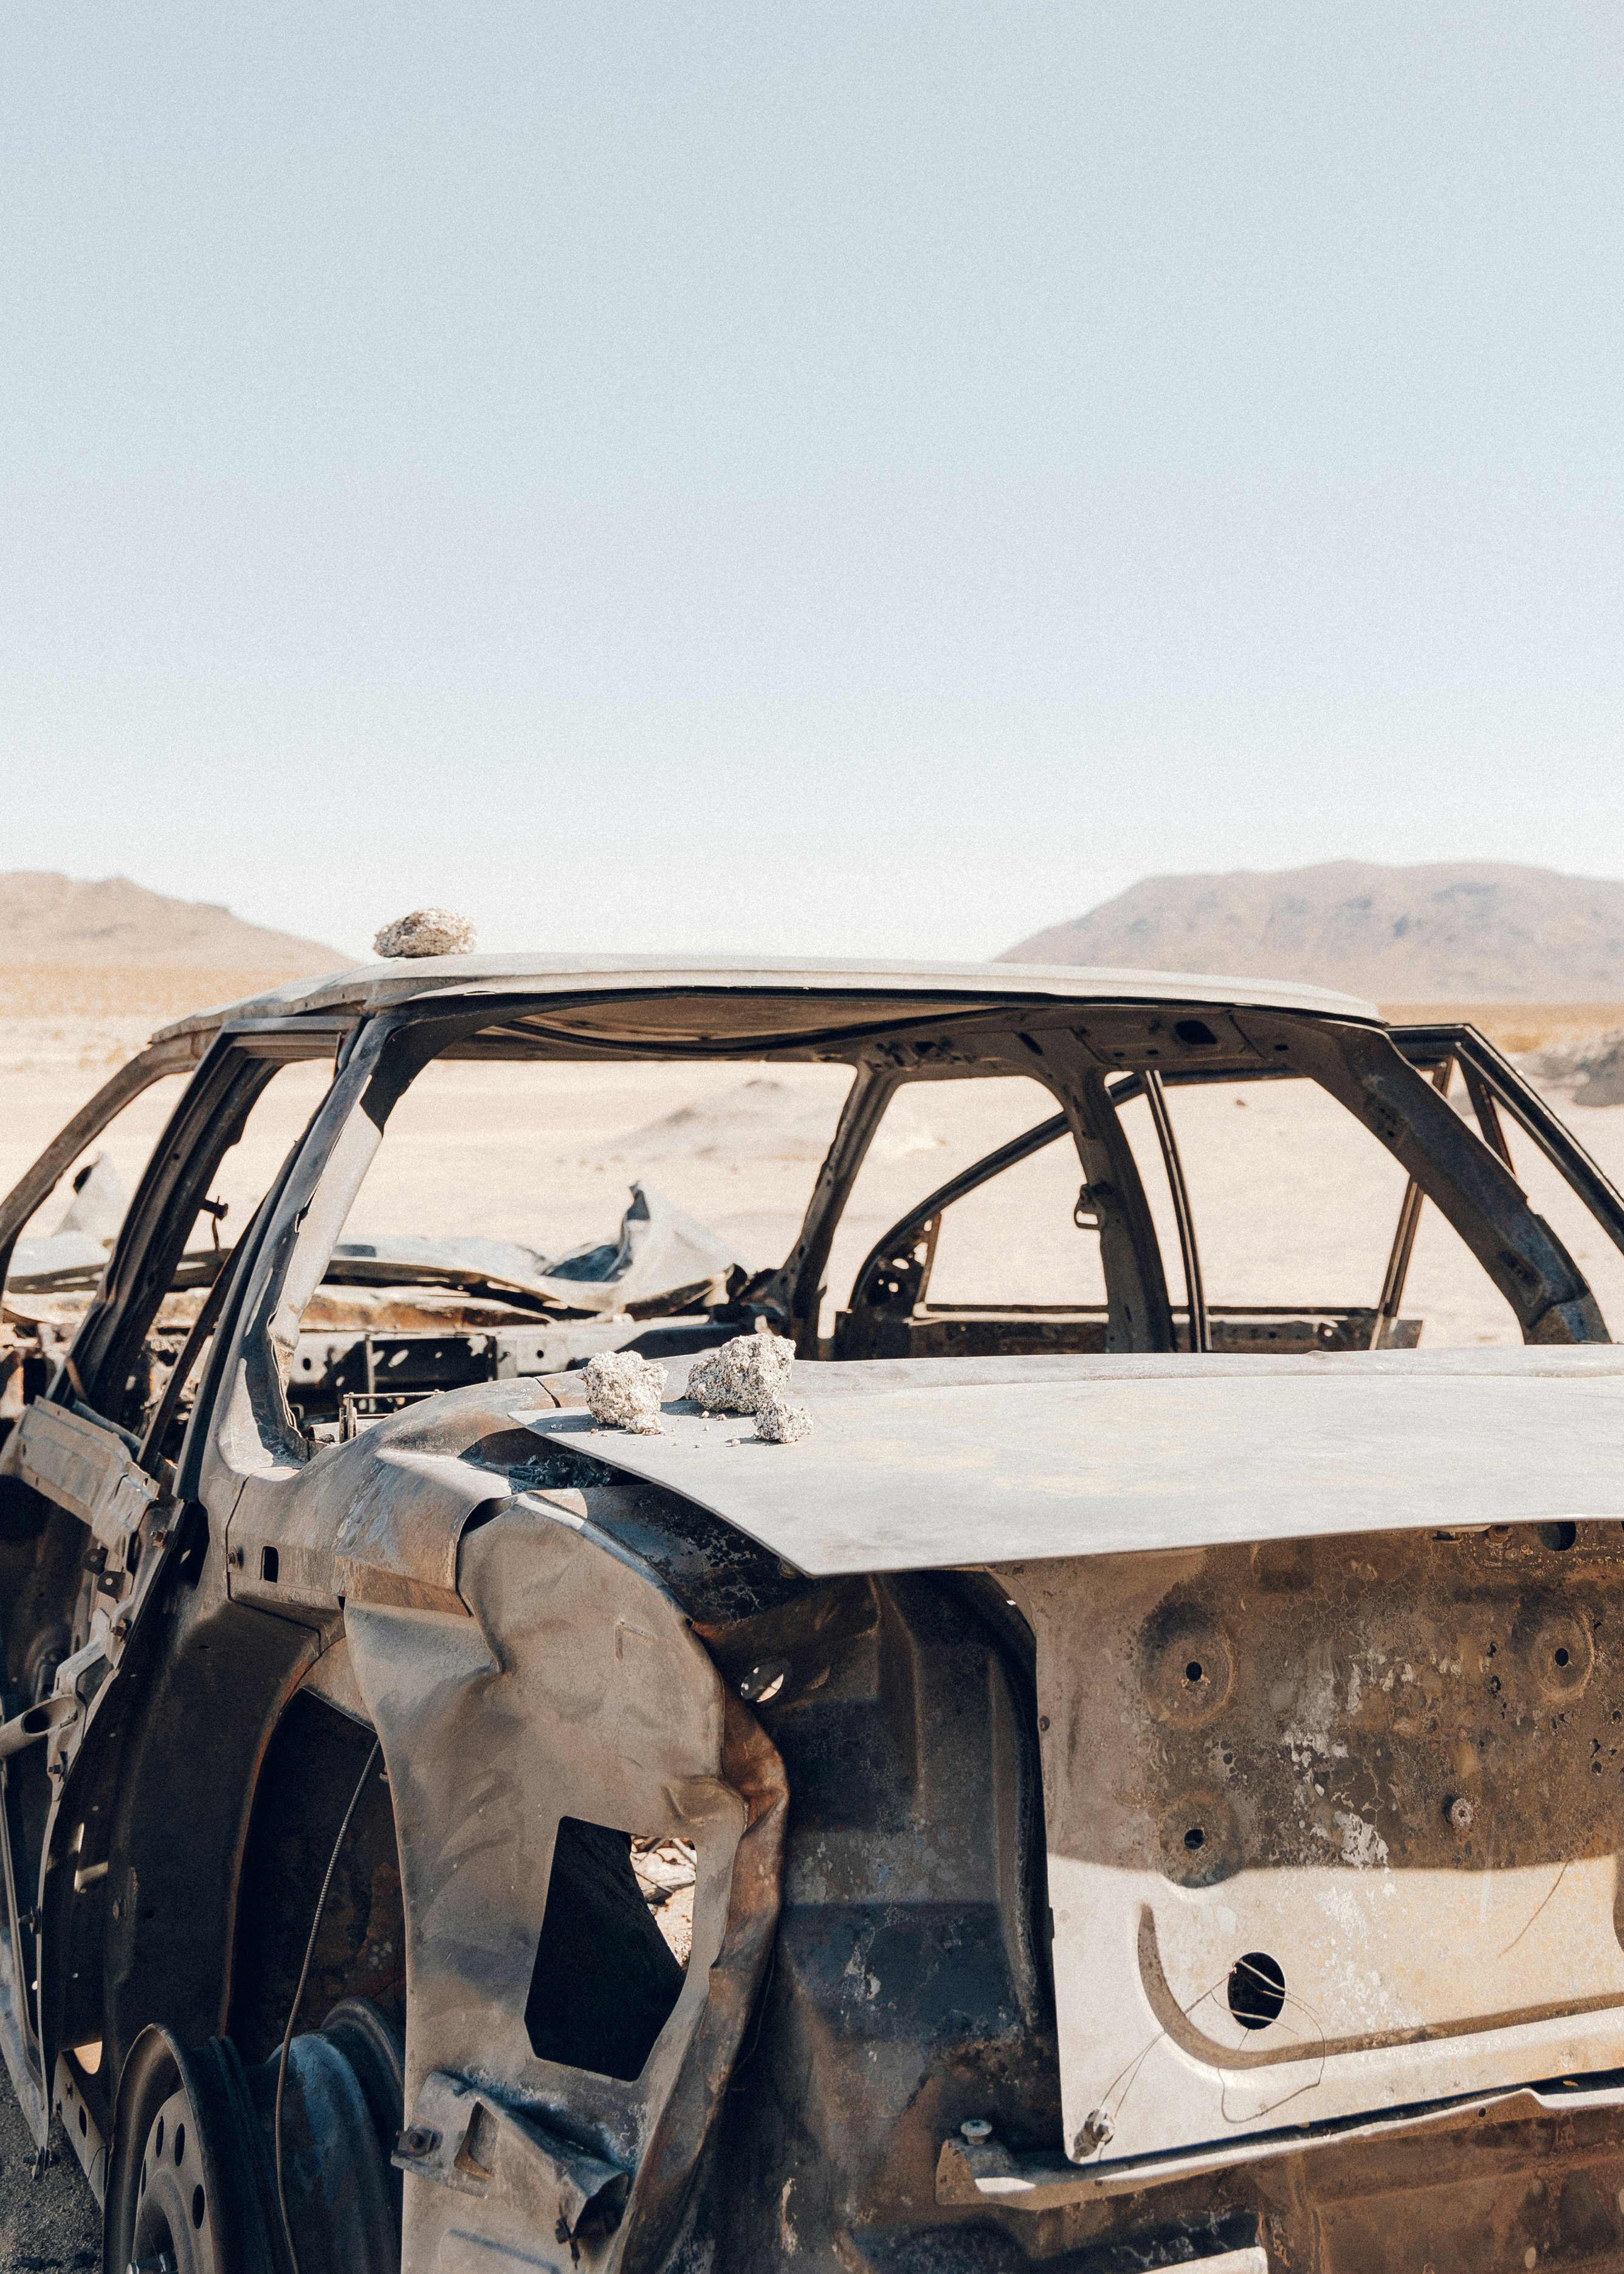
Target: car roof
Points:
(386, 985)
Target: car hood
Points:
(916, 1463)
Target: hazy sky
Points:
(849, 477)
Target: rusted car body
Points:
(1151, 1778)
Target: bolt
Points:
(976, 2127)
(1459, 1815)
(1097, 2130)
(418, 2140)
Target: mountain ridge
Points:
(1457, 931)
(46, 917)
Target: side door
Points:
(88, 1521)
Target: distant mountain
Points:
(46, 918)
(1453, 931)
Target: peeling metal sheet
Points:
(83, 1467)
(939, 1463)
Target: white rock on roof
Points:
(427, 931)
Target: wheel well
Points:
(310, 1770)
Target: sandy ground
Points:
(1293, 1203)
(47, 2221)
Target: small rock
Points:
(623, 1391)
(737, 1377)
(426, 931)
(780, 1423)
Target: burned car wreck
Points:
(1142, 1783)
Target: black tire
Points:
(193, 2176)
(187, 2166)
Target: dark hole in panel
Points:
(604, 1980)
(270, 1565)
(1194, 1031)
(1256, 1990)
(1195, 1838)
(1560, 1536)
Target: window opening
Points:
(1311, 1236)
(60, 1257)
(972, 1239)
(616, 1936)
(61, 1250)
(519, 1216)
(157, 1396)
(977, 1264)
(1574, 1200)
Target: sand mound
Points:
(1591, 1068)
(761, 1120)
(48, 918)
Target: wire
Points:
(293, 2011)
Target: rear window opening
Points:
(616, 1937)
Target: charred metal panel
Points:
(1334, 1827)
(1547, 2192)
(164, 1790)
(908, 1988)
(379, 1519)
(577, 1690)
(83, 1466)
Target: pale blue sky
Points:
(840, 477)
